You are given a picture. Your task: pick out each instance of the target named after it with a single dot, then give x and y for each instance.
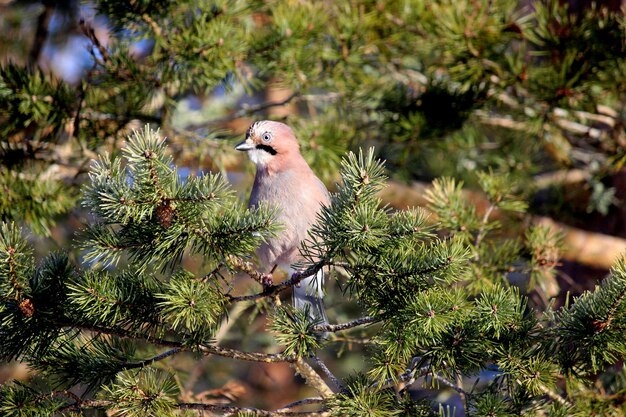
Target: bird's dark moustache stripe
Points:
(267, 149)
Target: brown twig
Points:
(90, 33)
(229, 409)
(553, 395)
(215, 408)
(312, 378)
(351, 340)
(150, 361)
(41, 33)
(304, 401)
(335, 382)
(153, 25)
(247, 267)
(345, 326)
(76, 124)
(482, 232)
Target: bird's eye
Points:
(267, 136)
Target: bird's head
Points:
(268, 142)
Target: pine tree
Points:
(450, 299)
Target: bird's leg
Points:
(267, 279)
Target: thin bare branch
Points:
(312, 378)
(90, 33)
(553, 395)
(304, 401)
(214, 408)
(411, 374)
(335, 382)
(150, 361)
(482, 232)
(229, 409)
(345, 326)
(245, 356)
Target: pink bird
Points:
(284, 180)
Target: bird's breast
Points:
(297, 201)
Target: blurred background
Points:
(531, 89)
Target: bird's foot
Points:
(267, 280)
(296, 278)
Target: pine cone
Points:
(27, 308)
(164, 214)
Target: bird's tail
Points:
(310, 293)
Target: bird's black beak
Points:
(246, 145)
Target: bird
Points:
(285, 180)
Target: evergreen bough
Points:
(434, 287)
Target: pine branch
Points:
(610, 315)
(553, 395)
(205, 349)
(248, 268)
(337, 384)
(345, 326)
(13, 274)
(304, 401)
(269, 290)
(588, 248)
(229, 410)
(312, 378)
(483, 229)
(80, 404)
(167, 199)
(245, 356)
(154, 175)
(148, 362)
(411, 374)
(426, 270)
(90, 33)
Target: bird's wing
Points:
(323, 190)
